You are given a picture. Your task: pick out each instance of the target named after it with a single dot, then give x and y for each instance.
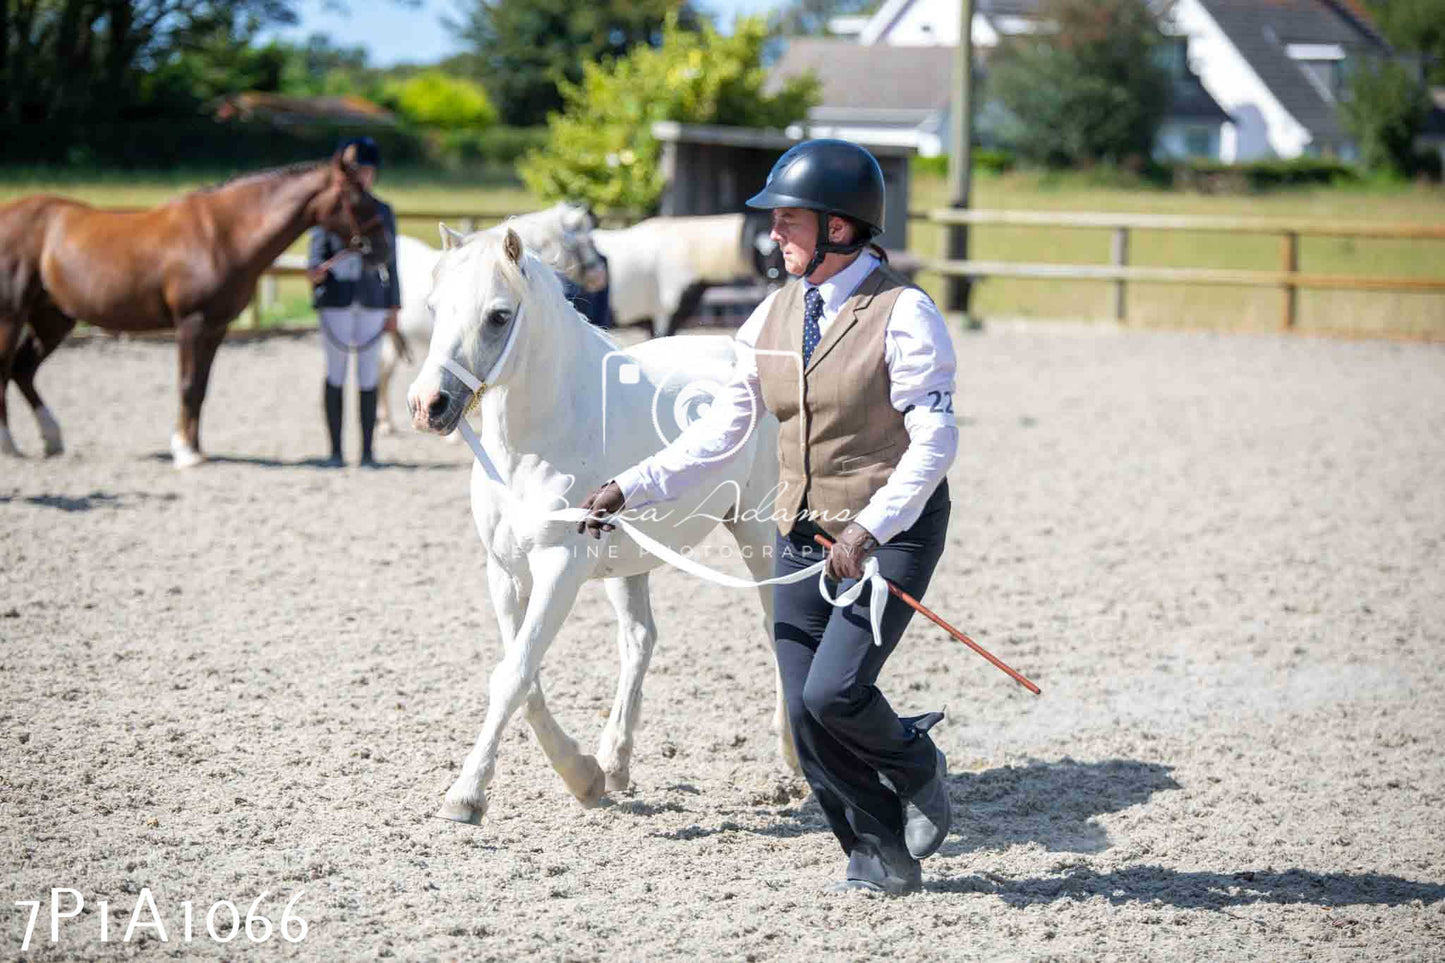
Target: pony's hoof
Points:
(618, 781)
(50, 431)
(789, 756)
(462, 813)
(7, 447)
(385, 428)
(183, 455)
(587, 781)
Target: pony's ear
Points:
(345, 158)
(512, 244)
(450, 238)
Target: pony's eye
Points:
(498, 316)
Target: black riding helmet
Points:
(367, 153)
(829, 177)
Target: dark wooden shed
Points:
(713, 170)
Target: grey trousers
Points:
(845, 731)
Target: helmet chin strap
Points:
(824, 247)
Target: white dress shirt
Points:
(920, 359)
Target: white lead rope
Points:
(877, 585)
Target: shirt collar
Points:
(841, 286)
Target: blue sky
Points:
(395, 34)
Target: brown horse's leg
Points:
(50, 327)
(10, 328)
(198, 343)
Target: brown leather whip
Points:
(924, 611)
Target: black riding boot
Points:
(368, 426)
(333, 424)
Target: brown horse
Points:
(191, 264)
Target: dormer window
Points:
(1323, 65)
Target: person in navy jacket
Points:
(356, 305)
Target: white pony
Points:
(560, 235)
(563, 409)
(655, 263)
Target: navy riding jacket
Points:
(349, 281)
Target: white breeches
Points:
(343, 329)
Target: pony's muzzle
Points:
(432, 410)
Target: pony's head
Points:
(481, 287)
(346, 207)
(587, 267)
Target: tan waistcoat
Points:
(841, 436)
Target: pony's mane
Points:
(273, 173)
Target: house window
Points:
(1173, 56)
(1323, 64)
(1198, 142)
(1325, 75)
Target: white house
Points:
(1278, 68)
(1252, 78)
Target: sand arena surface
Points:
(1221, 558)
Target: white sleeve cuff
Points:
(874, 517)
(634, 486)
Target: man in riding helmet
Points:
(865, 442)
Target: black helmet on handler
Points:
(828, 176)
(367, 153)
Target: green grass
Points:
(1152, 305)
(1161, 305)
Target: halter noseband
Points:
(478, 387)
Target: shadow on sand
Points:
(1202, 890)
(258, 461)
(1051, 803)
(1054, 804)
(90, 502)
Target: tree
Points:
(1385, 111)
(434, 99)
(601, 149)
(1415, 27)
(55, 54)
(310, 66)
(522, 50)
(1086, 89)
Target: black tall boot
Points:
(368, 426)
(333, 425)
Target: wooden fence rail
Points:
(1288, 278)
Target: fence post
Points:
(253, 313)
(1120, 259)
(1290, 256)
(269, 289)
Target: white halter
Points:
(877, 585)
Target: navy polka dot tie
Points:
(812, 311)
